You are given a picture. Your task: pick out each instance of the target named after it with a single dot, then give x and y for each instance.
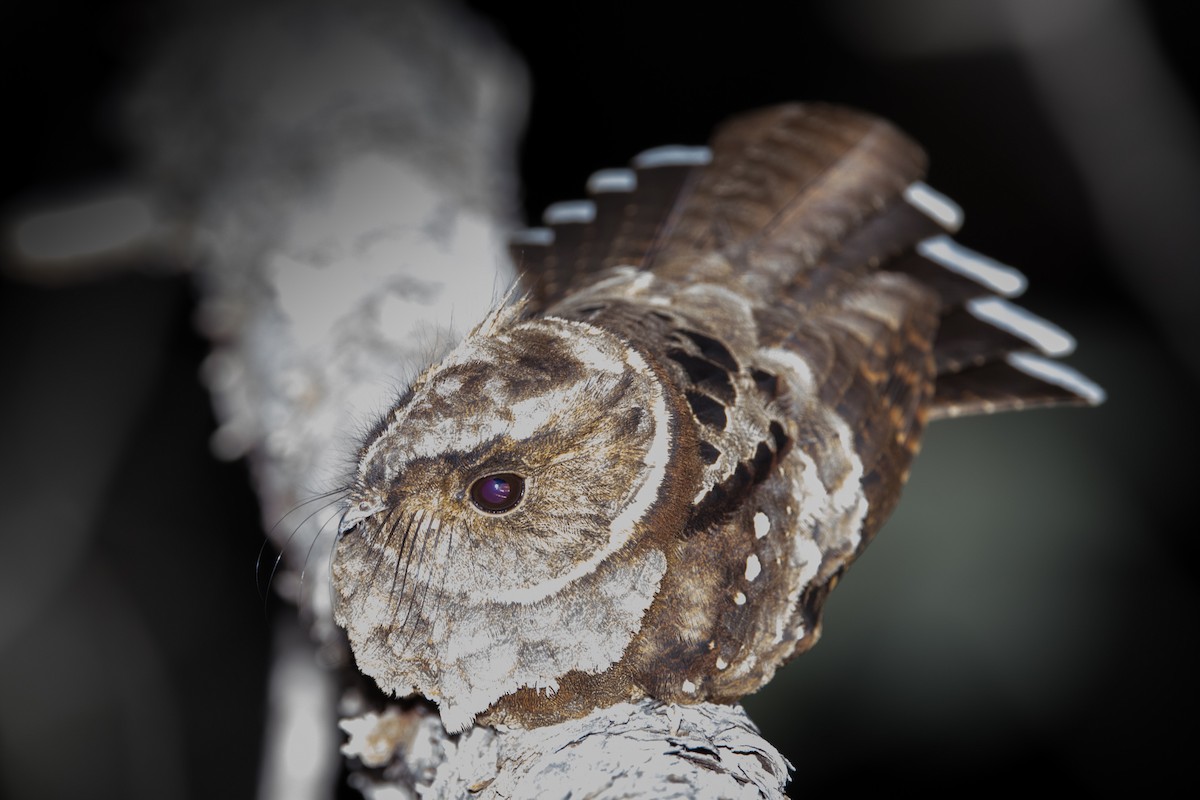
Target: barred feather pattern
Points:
(644, 478)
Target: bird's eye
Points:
(498, 493)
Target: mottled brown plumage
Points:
(645, 479)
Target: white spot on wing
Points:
(762, 525)
(739, 599)
(721, 663)
(934, 205)
(672, 155)
(1057, 374)
(987, 272)
(569, 211)
(1045, 336)
(688, 687)
(753, 567)
(612, 180)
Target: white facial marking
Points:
(540, 643)
(762, 525)
(621, 528)
(753, 567)
(606, 359)
(588, 344)
(689, 687)
(657, 457)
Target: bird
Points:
(641, 475)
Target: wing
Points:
(798, 285)
(792, 207)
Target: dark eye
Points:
(498, 493)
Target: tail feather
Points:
(1020, 381)
(990, 355)
(621, 225)
(796, 205)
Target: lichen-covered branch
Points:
(628, 750)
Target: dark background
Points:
(1025, 621)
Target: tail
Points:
(803, 200)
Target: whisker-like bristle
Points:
(264, 590)
(436, 527)
(400, 559)
(311, 545)
(414, 531)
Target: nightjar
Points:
(643, 478)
